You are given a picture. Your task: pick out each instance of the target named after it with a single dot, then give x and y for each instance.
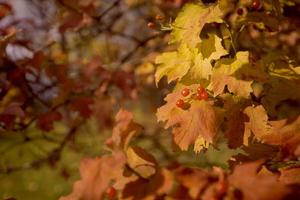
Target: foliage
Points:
(230, 120)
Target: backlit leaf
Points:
(190, 22)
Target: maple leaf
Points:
(123, 131)
(201, 119)
(191, 20)
(266, 186)
(285, 132)
(227, 73)
(190, 64)
(96, 176)
(211, 49)
(175, 64)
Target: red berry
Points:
(240, 11)
(180, 103)
(185, 92)
(111, 192)
(200, 89)
(204, 95)
(151, 25)
(198, 96)
(256, 4)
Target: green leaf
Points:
(212, 156)
(190, 22)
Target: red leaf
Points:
(7, 120)
(46, 120)
(83, 106)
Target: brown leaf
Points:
(200, 119)
(159, 184)
(96, 176)
(235, 118)
(141, 162)
(194, 180)
(123, 131)
(285, 133)
(257, 186)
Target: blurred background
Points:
(67, 66)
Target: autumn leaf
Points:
(285, 132)
(209, 49)
(194, 180)
(96, 176)
(201, 119)
(191, 20)
(175, 64)
(190, 64)
(123, 131)
(45, 121)
(141, 162)
(224, 74)
(159, 184)
(263, 186)
(235, 118)
(83, 106)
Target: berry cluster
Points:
(201, 94)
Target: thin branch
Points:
(112, 6)
(140, 44)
